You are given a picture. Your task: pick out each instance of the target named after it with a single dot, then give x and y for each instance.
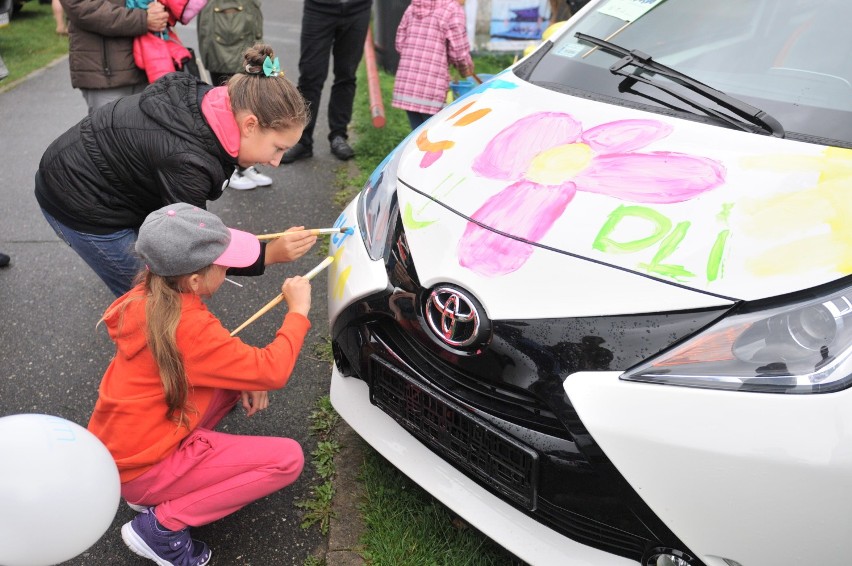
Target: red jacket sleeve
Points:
(213, 358)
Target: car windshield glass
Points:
(787, 58)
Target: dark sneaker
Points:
(4, 260)
(147, 538)
(341, 149)
(297, 152)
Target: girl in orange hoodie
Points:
(176, 373)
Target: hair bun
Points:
(255, 56)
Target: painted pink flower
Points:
(547, 157)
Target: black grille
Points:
(511, 403)
(588, 531)
(478, 448)
(491, 456)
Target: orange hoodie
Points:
(130, 413)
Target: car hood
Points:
(515, 188)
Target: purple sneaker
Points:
(146, 537)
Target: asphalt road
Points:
(52, 355)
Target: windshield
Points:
(788, 58)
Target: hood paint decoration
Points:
(649, 195)
(633, 211)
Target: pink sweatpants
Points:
(213, 474)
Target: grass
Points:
(404, 525)
(30, 41)
(407, 527)
(322, 350)
(318, 509)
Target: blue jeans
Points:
(111, 256)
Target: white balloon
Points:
(59, 490)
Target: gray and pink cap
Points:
(180, 239)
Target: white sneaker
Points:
(137, 508)
(241, 182)
(259, 178)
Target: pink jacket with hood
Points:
(160, 54)
(431, 36)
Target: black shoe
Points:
(341, 149)
(4, 260)
(297, 152)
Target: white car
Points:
(601, 306)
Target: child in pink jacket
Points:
(162, 53)
(431, 36)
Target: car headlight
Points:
(377, 205)
(801, 346)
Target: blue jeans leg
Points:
(111, 256)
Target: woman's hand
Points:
(291, 246)
(254, 401)
(158, 17)
(297, 293)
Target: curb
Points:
(347, 524)
(35, 73)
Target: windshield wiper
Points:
(644, 62)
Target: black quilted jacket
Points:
(132, 157)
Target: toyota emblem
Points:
(453, 317)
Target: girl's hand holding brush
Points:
(290, 245)
(297, 294)
(295, 290)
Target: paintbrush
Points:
(314, 231)
(268, 306)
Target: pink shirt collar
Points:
(216, 108)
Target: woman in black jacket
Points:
(178, 141)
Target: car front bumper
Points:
(757, 479)
(521, 535)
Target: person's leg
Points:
(415, 119)
(316, 39)
(59, 16)
(223, 402)
(347, 52)
(145, 535)
(110, 256)
(95, 98)
(213, 474)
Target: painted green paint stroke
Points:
(667, 248)
(660, 225)
(725, 215)
(714, 262)
(412, 223)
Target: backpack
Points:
(226, 28)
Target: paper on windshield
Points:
(628, 10)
